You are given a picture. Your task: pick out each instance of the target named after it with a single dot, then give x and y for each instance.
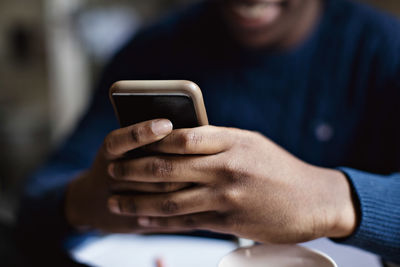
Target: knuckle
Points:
(194, 137)
(121, 170)
(137, 134)
(190, 139)
(109, 144)
(161, 168)
(247, 140)
(169, 207)
(189, 221)
(230, 197)
(129, 206)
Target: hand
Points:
(86, 197)
(245, 185)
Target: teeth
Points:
(253, 11)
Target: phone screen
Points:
(134, 108)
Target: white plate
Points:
(130, 250)
(276, 256)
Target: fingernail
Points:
(111, 170)
(143, 221)
(113, 205)
(161, 127)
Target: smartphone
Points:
(177, 100)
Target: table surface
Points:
(182, 251)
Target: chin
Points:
(254, 23)
(255, 40)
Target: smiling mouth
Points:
(253, 14)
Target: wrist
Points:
(334, 207)
(344, 207)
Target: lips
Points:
(255, 14)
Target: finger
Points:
(120, 141)
(124, 224)
(134, 228)
(212, 221)
(200, 140)
(194, 200)
(147, 187)
(156, 169)
(153, 230)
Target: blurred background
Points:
(51, 53)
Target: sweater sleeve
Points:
(379, 219)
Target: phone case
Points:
(162, 87)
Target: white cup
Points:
(276, 256)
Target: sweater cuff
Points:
(379, 218)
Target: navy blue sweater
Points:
(332, 101)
